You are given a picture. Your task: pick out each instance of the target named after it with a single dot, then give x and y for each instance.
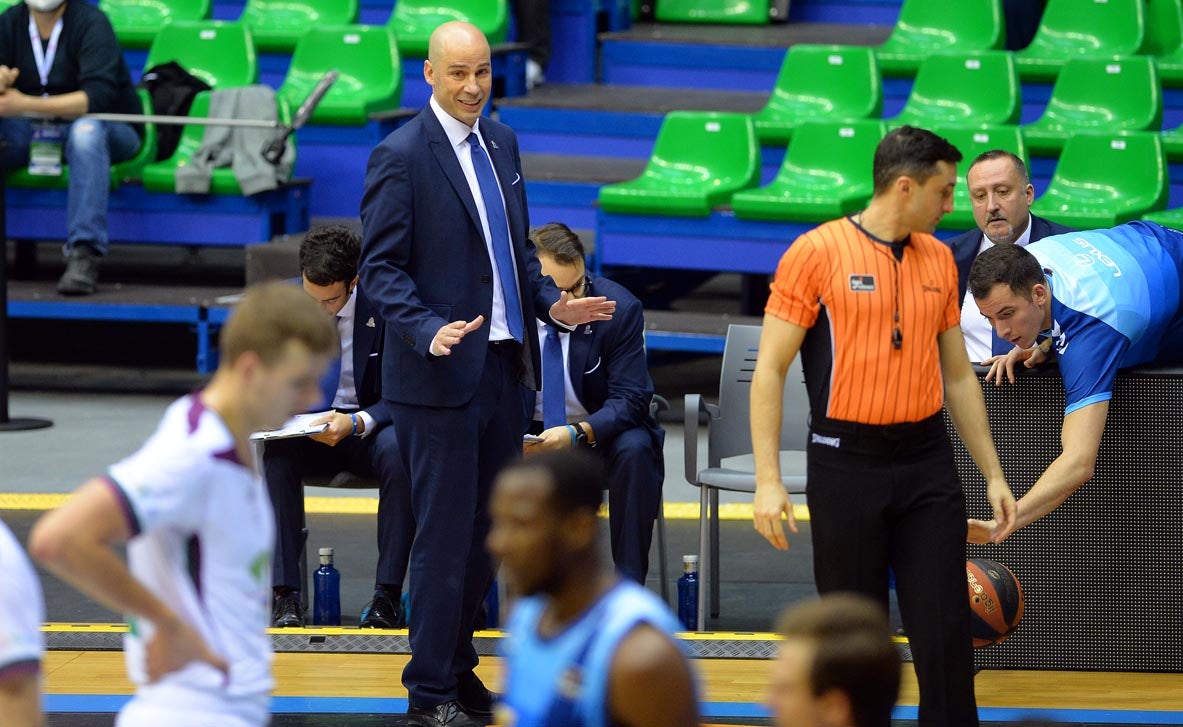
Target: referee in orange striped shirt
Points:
(871, 302)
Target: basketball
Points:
(995, 601)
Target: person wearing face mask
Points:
(1001, 193)
(59, 60)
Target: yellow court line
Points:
(32, 501)
(108, 628)
(369, 506)
(80, 628)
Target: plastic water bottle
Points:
(688, 593)
(326, 609)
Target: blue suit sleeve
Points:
(380, 414)
(386, 213)
(629, 387)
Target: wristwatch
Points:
(581, 439)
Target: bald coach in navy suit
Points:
(447, 262)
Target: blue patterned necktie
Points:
(499, 232)
(554, 381)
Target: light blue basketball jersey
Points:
(1115, 303)
(563, 680)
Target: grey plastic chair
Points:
(729, 447)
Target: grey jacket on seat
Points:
(239, 148)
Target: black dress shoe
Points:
(448, 713)
(384, 612)
(287, 612)
(474, 698)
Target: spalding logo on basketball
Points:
(995, 601)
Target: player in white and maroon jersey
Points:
(22, 610)
(198, 525)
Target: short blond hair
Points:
(268, 317)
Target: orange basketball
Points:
(995, 601)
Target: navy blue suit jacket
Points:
(425, 262)
(965, 248)
(367, 351)
(607, 366)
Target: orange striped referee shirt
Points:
(847, 287)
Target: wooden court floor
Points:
(731, 687)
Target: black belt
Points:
(886, 437)
(506, 346)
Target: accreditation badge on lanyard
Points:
(49, 137)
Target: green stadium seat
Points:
(370, 80)
(1075, 28)
(826, 174)
(1164, 39)
(276, 25)
(929, 26)
(126, 170)
(161, 176)
(971, 142)
(414, 20)
(699, 160)
(975, 89)
(221, 54)
(748, 12)
(1096, 94)
(136, 22)
(1172, 218)
(1104, 180)
(819, 82)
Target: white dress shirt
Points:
(346, 397)
(974, 326)
(575, 410)
(458, 132)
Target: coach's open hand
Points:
(451, 334)
(575, 311)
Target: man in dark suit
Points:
(446, 259)
(1001, 193)
(601, 393)
(358, 439)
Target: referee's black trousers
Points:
(889, 496)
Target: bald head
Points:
(459, 70)
(456, 36)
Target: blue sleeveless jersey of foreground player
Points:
(563, 680)
(1115, 303)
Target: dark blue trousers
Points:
(287, 461)
(452, 456)
(636, 470)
